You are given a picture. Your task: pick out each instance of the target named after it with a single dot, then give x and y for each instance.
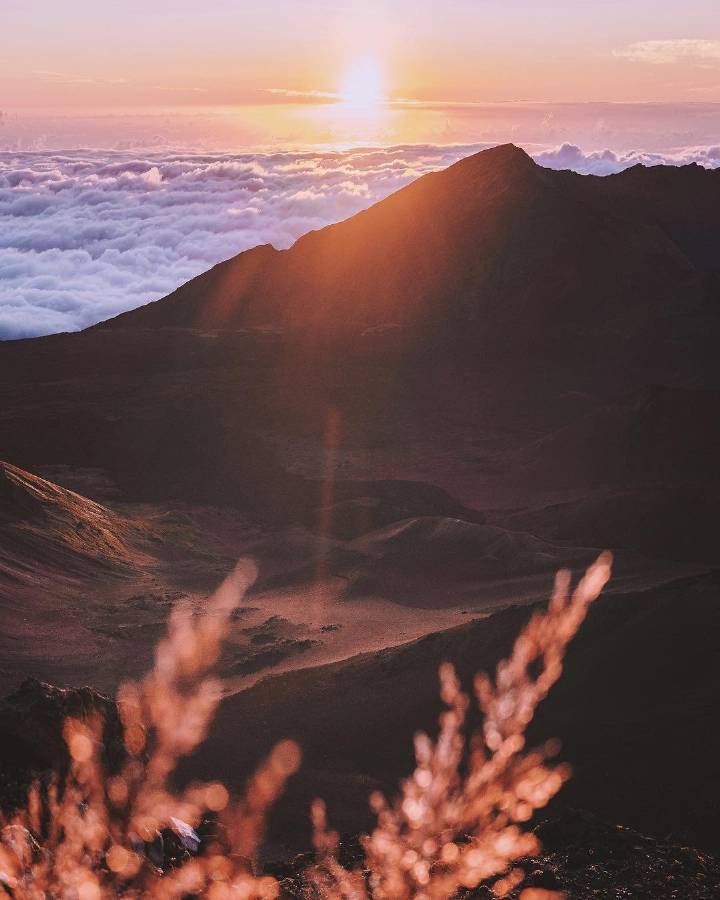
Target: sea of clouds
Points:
(86, 234)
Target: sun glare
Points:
(363, 85)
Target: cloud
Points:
(65, 78)
(700, 52)
(85, 234)
(610, 162)
(311, 96)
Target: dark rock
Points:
(31, 724)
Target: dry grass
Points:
(458, 820)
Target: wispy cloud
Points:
(66, 78)
(311, 96)
(700, 52)
(318, 96)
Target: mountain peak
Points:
(505, 157)
(489, 252)
(506, 151)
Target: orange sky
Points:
(81, 53)
(300, 71)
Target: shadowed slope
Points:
(637, 689)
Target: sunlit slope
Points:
(494, 252)
(47, 532)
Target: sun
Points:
(363, 85)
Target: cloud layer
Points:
(85, 235)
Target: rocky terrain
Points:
(410, 419)
(584, 858)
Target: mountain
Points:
(517, 336)
(495, 255)
(409, 419)
(523, 339)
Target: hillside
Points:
(638, 684)
(47, 532)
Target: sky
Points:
(84, 54)
(141, 142)
(231, 74)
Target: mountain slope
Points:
(638, 689)
(494, 252)
(49, 532)
(488, 329)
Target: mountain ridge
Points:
(492, 255)
(493, 182)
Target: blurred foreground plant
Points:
(457, 821)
